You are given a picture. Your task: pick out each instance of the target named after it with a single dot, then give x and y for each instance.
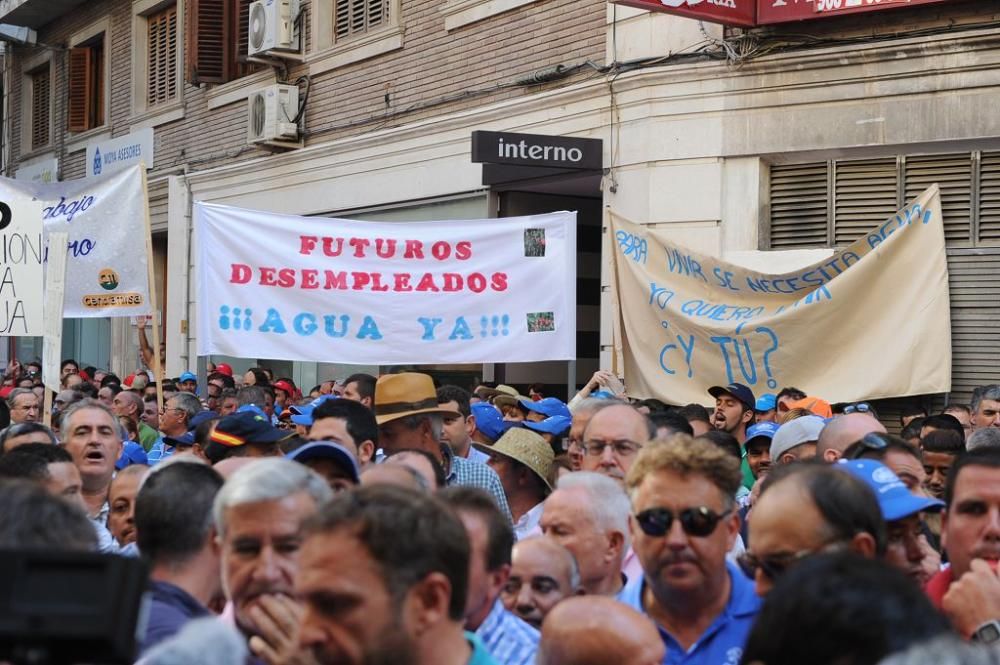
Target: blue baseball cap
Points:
(185, 440)
(761, 431)
(188, 376)
(894, 498)
(201, 417)
(252, 408)
(767, 402)
(551, 425)
(489, 420)
(737, 390)
(303, 415)
(548, 407)
(331, 451)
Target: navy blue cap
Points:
(201, 417)
(737, 390)
(331, 451)
(185, 440)
(553, 425)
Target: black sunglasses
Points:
(773, 565)
(699, 521)
(871, 441)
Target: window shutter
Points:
(975, 311)
(207, 36)
(353, 17)
(864, 197)
(81, 88)
(799, 196)
(40, 96)
(161, 82)
(954, 175)
(989, 199)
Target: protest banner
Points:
(55, 290)
(871, 321)
(338, 290)
(107, 273)
(21, 255)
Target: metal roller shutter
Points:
(158, 204)
(799, 210)
(953, 173)
(865, 195)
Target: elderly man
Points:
(542, 573)
(985, 407)
(806, 509)
(175, 535)
(684, 522)
(175, 420)
(588, 514)
(522, 460)
(259, 515)
(91, 434)
(408, 416)
(613, 438)
(842, 431)
(24, 406)
(510, 640)
(121, 499)
(583, 411)
(598, 631)
(394, 563)
(128, 404)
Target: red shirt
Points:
(938, 585)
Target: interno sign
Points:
(748, 13)
(567, 152)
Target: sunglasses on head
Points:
(860, 407)
(871, 441)
(699, 521)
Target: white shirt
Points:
(528, 524)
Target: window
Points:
(161, 58)
(41, 108)
(217, 36)
(354, 17)
(86, 85)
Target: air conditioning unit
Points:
(273, 27)
(272, 112)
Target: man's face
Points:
(173, 419)
(903, 549)
(936, 466)
(567, 520)
(351, 393)
(25, 409)
(121, 499)
(962, 416)
(506, 470)
(122, 405)
(72, 380)
(268, 404)
(229, 406)
(759, 457)
(335, 429)
(971, 526)
(94, 443)
(326, 388)
(775, 537)
(68, 368)
(149, 391)
(456, 431)
(260, 551)
(394, 435)
(907, 467)
(64, 481)
(534, 417)
(151, 414)
(335, 475)
(33, 437)
(212, 396)
(785, 404)
(766, 416)
(575, 439)
(729, 413)
(107, 396)
(538, 580)
(484, 587)
(623, 431)
(987, 415)
(676, 561)
(350, 616)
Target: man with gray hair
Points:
(259, 515)
(175, 420)
(983, 438)
(409, 417)
(985, 407)
(257, 396)
(583, 411)
(588, 515)
(24, 406)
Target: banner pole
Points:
(613, 278)
(55, 293)
(153, 300)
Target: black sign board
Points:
(564, 152)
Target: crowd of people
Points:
(391, 521)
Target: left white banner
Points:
(384, 293)
(106, 265)
(21, 256)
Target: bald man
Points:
(596, 630)
(130, 405)
(842, 431)
(121, 502)
(542, 574)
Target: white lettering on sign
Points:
(691, 3)
(521, 150)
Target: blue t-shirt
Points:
(722, 643)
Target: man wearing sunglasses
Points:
(842, 431)
(683, 524)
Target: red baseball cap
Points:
(284, 385)
(224, 368)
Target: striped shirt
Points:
(159, 452)
(473, 474)
(509, 640)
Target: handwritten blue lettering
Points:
(632, 246)
(684, 264)
(67, 210)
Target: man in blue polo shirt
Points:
(684, 521)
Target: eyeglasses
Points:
(699, 521)
(622, 447)
(860, 407)
(871, 441)
(777, 564)
(170, 408)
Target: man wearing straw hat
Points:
(408, 416)
(523, 460)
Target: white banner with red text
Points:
(344, 291)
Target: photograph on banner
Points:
(870, 321)
(347, 291)
(21, 255)
(106, 269)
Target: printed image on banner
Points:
(871, 321)
(347, 291)
(106, 267)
